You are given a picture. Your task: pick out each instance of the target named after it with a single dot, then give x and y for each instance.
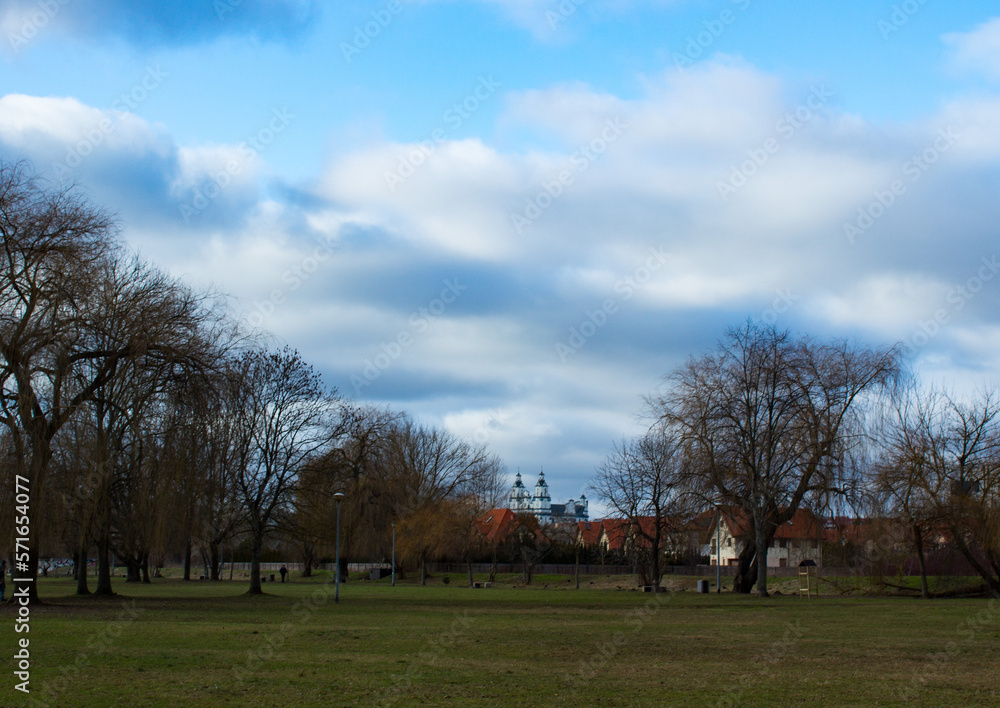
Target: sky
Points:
(512, 218)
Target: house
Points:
(496, 525)
(798, 539)
(627, 535)
(588, 533)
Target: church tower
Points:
(520, 498)
(541, 503)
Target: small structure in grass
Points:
(807, 578)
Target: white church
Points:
(540, 504)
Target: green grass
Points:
(178, 644)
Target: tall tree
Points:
(953, 450)
(284, 419)
(770, 422)
(642, 482)
(52, 246)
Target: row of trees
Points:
(143, 421)
(769, 424)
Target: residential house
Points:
(798, 539)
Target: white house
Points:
(798, 539)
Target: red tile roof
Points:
(803, 524)
(589, 532)
(497, 524)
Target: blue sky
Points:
(512, 217)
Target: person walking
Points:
(284, 572)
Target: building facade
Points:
(522, 501)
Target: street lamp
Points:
(718, 550)
(394, 554)
(337, 497)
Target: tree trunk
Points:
(187, 559)
(746, 570)
(762, 543)
(654, 564)
(256, 545)
(81, 572)
(308, 555)
(423, 571)
(992, 581)
(132, 568)
(214, 560)
(471, 579)
(103, 569)
(576, 570)
(144, 566)
(918, 543)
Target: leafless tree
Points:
(904, 482)
(52, 249)
(642, 482)
(284, 418)
(950, 450)
(770, 422)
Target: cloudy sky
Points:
(512, 217)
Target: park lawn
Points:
(198, 643)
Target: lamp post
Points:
(718, 551)
(394, 554)
(337, 497)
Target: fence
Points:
(540, 569)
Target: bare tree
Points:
(430, 470)
(904, 483)
(53, 244)
(953, 449)
(284, 419)
(641, 481)
(770, 422)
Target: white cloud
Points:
(977, 50)
(448, 214)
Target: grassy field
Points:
(179, 644)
